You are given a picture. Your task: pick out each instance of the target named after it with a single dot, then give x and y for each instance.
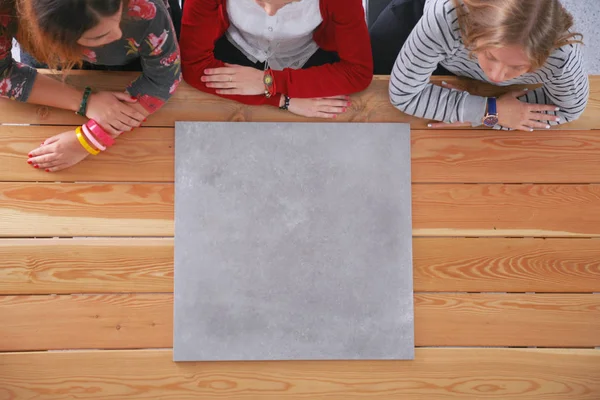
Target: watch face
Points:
(490, 120)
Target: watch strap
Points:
(491, 106)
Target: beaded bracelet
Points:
(84, 102)
(88, 134)
(100, 133)
(84, 142)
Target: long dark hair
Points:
(49, 29)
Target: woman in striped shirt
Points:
(503, 42)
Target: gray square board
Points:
(292, 241)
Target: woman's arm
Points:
(201, 27)
(353, 73)
(428, 44)
(568, 90)
(161, 63)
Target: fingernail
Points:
(349, 103)
(42, 144)
(547, 126)
(29, 155)
(444, 83)
(133, 98)
(47, 170)
(557, 109)
(29, 162)
(429, 125)
(558, 118)
(526, 90)
(531, 130)
(145, 119)
(335, 116)
(36, 166)
(344, 109)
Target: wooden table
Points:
(506, 265)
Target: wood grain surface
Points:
(440, 156)
(66, 266)
(49, 210)
(189, 104)
(506, 210)
(71, 209)
(131, 321)
(435, 374)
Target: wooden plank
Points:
(56, 266)
(459, 156)
(435, 374)
(505, 157)
(506, 210)
(123, 321)
(71, 209)
(118, 321)
(372, 105)
(506, 265)
(507, 320)
(65, 266)
(144, 155)
(48, 210)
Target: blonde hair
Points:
(538, 26)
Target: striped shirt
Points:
(436, 39)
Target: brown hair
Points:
(539, 26)
(49, 29)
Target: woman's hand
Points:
(515, 114)
(110, 111)
(235, 79)
(59, 152)
(328, 107)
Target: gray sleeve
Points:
(434, 37)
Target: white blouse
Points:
(284, 40)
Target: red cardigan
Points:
(343, 30)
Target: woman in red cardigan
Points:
(304, 56)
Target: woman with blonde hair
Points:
(503, 42)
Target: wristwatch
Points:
(491, 118)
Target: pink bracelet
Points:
(100, 133)
(92, 138)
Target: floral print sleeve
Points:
(16, 79)
(159, 54)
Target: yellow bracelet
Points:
(84, 142)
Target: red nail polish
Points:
(47, 170)
(36, 166)
(133, 98)
(29, 162)
(29, 155)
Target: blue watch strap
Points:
(491, 105)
